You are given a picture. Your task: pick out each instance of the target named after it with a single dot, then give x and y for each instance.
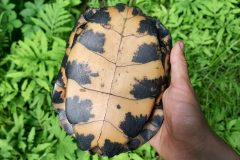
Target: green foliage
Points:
(29, 128)
(8, 17)
(50, 18)
(33, 66)
(8, 22)
(28, 81)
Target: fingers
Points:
(179, 72)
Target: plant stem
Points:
(102, 3)
(132, 2)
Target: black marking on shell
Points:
(99, 16)
(84, 142)
(163, 51)
(64, 122)
(113, 148)
(95, 150)
(147, 88)
(146, 53)
(60, 76)
(80, 72)
(162, 31)
(136, 11)
(93, 41)
(132, 125)
(148, 25)
(82, 90)
(118, 106)
(75, 36)
(88, 14)
(157, 120)
(120, 7)
(56, 97)
(75, 39)
(164, 48)
(81, 23)
(78, 110)
(134, 143)
(147, 134)
(64, 61)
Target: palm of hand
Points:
(184, 134)
(183, 119)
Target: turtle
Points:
(108, 92)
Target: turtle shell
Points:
(108, 91)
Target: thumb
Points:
(179, 72)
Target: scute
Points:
(93, 41)
(100, 16)
(148, 26)
(120, 7)
(84, 142)
(146, 88)
(113, 148)
(80, 72)
(129, 51)
(78, 110)
(109, 88)
(132, 125)
(146, 53)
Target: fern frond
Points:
(35, 63)
(52, 18)
(8, 22)
(31, 9)
(65, 146)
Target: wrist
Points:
(216, 148)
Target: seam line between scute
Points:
(125, 20)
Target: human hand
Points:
(185, 135)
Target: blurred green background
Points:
(33, 36)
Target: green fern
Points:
(31, 9)
(12, 137)
(50, 18)
(33, 65)
(53, 17)
(29, 128)
(8, 16)
(4, 40)
(93, 3)
(65, 147)
(8, 22)
(34, 51)
(26, 86)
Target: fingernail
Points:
(181, 45)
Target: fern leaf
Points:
(41, 147)
(53, 18)
(41, 24)
(43, 83)
(35, 50)
(31, 9)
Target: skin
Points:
(185, 134)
